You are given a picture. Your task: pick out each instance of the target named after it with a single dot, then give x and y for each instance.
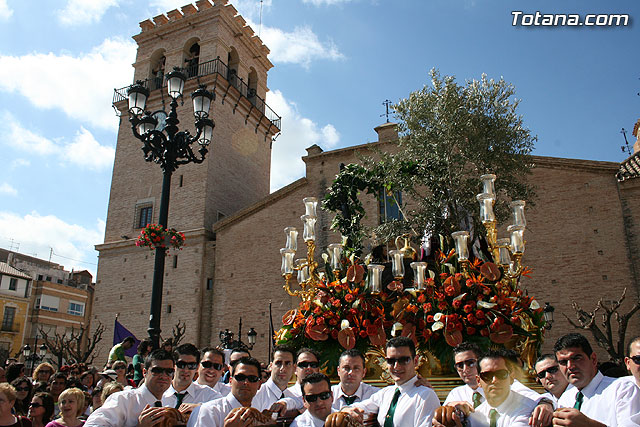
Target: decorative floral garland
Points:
(456, 306)
(156, 236)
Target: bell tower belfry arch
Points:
(199, 38)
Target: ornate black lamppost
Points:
(227, 341)
(165, 145)
(32, 357)
(548, 315)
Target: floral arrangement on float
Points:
(156, 236)
(439, 302)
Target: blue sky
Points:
(335, 61)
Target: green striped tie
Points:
(388, 421)
(493, 418)
(579, 398)
(477, 399)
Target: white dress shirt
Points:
(415, 406)
(294, 400)
(268, 394)
(212, 414)
(307, 420)
(629, 378)
(363, 392)
(195, 393)
(463, 393)
(222, 388)
(522, 389)
(122, 409)
(514, 411)
(607, 400)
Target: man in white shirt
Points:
(548, 375)
(139, 406)
(307, 363)
(183, 393)
(405, 403)
(465, 360)
(317, 398)
(351, 372)
(275, 388)
(633, 361)
(211, 369)
(595, 400)
(244, 386)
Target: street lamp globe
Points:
(42, 352)
(207, 131)
(26, 351)
(201, 102)
(146, 124)
(138, 95)
(175, 83)
(251, 335)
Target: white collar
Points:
(341, 392)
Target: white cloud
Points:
(298, 134)
(36, 234)
(301, 46)
(84, 150)
(325, 2)
(8, 189)
(5, 10)
(84, 12)
(18, 163)
(81, 86)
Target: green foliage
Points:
(450, 135)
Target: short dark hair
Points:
(240, 350)
(285, 349)
(130, 339)
(307, 350)
(354, 352)
(247, 361)
(57, 375)
(494, 355)
(632, 342)
(545, 357)
(212, 350)
(468, 346)
(402, 342)
(159, 354)
(187, 350)
(314, 378)
(573, 340)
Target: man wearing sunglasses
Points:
(548, 375)
(594, 400)
(138, 406)
(244, 382)
(317, 396)
(183, 393)
(211, 369)
(307, 363)
(633, 361)
(465, 360)
(405, 403)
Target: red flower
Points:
(450, 290)
(480, 314)
(468, 308)
(427, 307)
(471, 318)
(333, 321)
(349, 298)
(422, 298)
(336, 302)
(457, 303)
(430, 318)
(484, 332)
(320, 321)
(442, 305)
(363, 334)
(334, 334)
(471, 330)
(412, 308)
(317, 310)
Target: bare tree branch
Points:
(178, 332)
(68, 347)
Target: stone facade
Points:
(582, 241)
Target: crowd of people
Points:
(206, 387)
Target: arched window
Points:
(156, 77)
(192, 58)
(233, 60)
(253, 85)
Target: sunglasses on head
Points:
(181, 364)
(242, 377)
(22, 388)
(157, 370)
(471, 363)
(305, 365)
(400, 360)
(636, 359)
(208, 365)
(488, 376)
(552, 370)
(35, 405)
(322, 396)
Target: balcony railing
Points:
(215, 66)
(630, 168)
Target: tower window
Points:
(145, 214)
